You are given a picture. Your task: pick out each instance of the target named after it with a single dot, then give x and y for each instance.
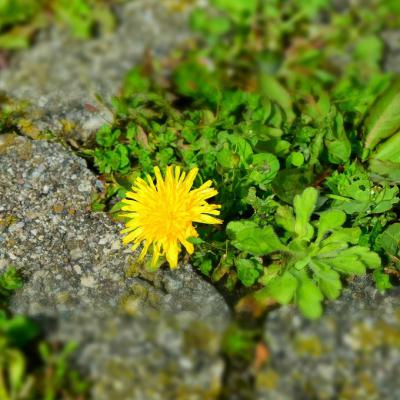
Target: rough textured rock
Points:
(59, 74)
(142, 336)
(351, 353)
(392, 42)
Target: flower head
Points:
(161, 215)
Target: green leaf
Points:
(382, 280)
(385, 171)
(248, 236)
(282, 288)
(248, 271)
(347, 264)
(304, 205)
(290, 182)
(135, 82)
(236, 8)
(296, 159)
(263, 168)
(389, 240)
(355, 260)
(206, 266)
(328, 221)
(368, 257)
(285, 218)
(384, 117)
(17, 368)
(19, 330)
(242, 148)
(275, 91)
(389, 150)
(344, 235)
(329, 280)
(10, 280)
(226, 158)
(309, 298)
(201, 21)
(369, 49)
(338, 150)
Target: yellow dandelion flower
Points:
(161, 215)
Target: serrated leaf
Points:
(368, 257)
(304, 205)
(355, 260)
(344, 235)
(347, 264)
(384, 117)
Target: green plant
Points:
(20, 19)
(262, 107)
(308, 259)
(21, 376)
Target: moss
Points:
(309, 346)
(27, 128)
(67, 127)
(63, 297)
(267, 380)
(130, 305)
(58, 208)
(362, 388)
(6, 140)
(379, 334)
(24, 150)
(201, 337)
(8, 220)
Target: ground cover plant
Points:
(286, 108)
(29, 367)
(20, 20)
(299, 142)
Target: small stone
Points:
(77, 269)
(16, 227)
(84, 187)
(88, 281)
(75, 253)
(116, 245)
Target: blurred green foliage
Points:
(21, 19)
(30, 368)
(286, 107)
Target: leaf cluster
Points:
(21, 19)
(307, 260)
(287, 135)
(21, 376)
